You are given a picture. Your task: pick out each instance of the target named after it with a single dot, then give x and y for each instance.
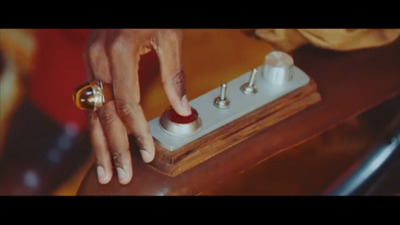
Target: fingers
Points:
(100, 148)
(108, 133)
(168, 48)
(127, 97)
(118, 143)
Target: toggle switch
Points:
(222, 101)
(249, 88)
(278, 67)
(174, 124)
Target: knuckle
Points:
(116, 155)
(176, 79)
(124, 108)
(120, 158)
(106, 115)
(92, 117)
(93, 50)
(118, 46)
(116, 158)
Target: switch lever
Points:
(222, 101)
(249, 88)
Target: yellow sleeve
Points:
(335, 39)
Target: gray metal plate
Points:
(240, 104)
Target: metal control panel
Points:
(277, 77)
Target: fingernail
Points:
(186, 106)
(122, 176)
(101, 175)
(146, 156)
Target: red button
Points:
(176, 118)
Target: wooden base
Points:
(173, 163)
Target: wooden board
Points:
(173, 163)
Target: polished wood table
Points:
(350, 83)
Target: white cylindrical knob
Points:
(277, 67)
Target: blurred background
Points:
(42, 145)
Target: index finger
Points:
(169, 50)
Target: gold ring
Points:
(92, 95)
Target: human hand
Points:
(112, 57)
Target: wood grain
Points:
(173, 163)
